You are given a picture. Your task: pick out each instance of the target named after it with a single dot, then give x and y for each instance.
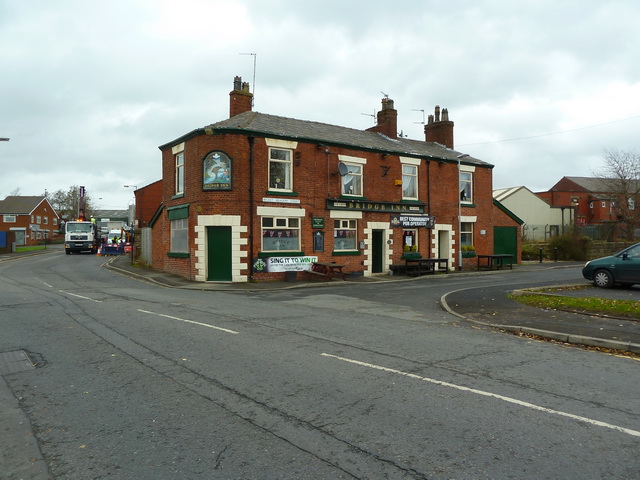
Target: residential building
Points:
(32, 218)
(257, 195)
(605, 205)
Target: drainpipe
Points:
(429, 205)
(251, 229)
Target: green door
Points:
(377, 248)
(219, 254)
(505, 240)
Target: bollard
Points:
(555, 254)
(541, 255)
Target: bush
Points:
(570, 247)
(531, 251)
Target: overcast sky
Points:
(89, 90)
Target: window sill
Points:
(178, 255)
(282, 193)
(338, 253)
(412, 202)
(180, 195)
(465, 204)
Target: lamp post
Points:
(4, 139)
(460, 157)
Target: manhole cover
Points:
(12, 362)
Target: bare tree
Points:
(621, 174)
(66, 202)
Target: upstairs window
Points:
(9, 218)
(466, 187)
(352, 181)
(410, 182)
(280, 169)
(179, 173)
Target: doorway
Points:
(377, 250)
(219, 254)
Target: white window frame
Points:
(179, 235)
(9, 219)
(466, 186)
(285, 184)
(414, 241)
(179, 172)
(45, 220)
(345, 228)
(466, 233)
(280, 225)
(409, 165)
(631, 204)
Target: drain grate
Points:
(12, 362)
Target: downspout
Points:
(429, 206)
(251, 229)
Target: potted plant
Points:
(468, 251)
(410, 251)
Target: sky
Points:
(89, 90)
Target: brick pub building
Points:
(257, 195)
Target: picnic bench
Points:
(495, 260)
(327, 269)
(421, 266)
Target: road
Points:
(353, 381)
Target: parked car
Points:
(623, 268)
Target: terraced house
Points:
(257, 196)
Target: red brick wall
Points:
(315, 179)
(148, 199)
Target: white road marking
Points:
(80, 296)
(532, 406)
(189, 321)
(50, 286)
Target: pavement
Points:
(486, 306)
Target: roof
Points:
(113, 214)
(501, 193)
(22, 205)
(263, 125)
(596, 185)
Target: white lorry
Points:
(81, 236)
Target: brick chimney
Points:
(387, 120)
(241, 98)
(439, 130)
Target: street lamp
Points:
(135, 187)
(4, 139)
(460, 157)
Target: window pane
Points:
(279, 175)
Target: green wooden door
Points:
(377, 248)
(219, 254)
(505, 240)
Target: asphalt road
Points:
(133, 380)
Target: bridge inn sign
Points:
(380, 207)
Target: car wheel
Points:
(603, 279)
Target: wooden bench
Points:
(422, 266)
(496, 260)
(327, 269)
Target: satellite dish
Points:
(343, 169)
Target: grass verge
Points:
(602, 306)
(30, 248)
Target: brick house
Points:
(32, 218)
(597, 201)
(256, 195)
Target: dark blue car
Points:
(623, 268)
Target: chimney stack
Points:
(387, 123)
(241, 99)
(439, 130)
